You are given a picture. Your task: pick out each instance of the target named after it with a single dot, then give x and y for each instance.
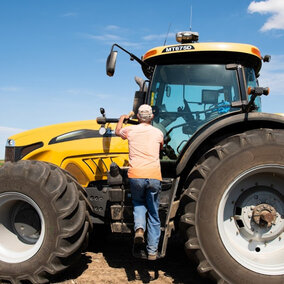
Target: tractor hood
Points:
(79, 147)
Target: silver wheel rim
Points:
(256, 246)
(22, 227)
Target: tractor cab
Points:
(192, 84)
(185, 97)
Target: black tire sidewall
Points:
(52, 230)
(207, 210)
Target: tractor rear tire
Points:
(233, 217)
(43, 221)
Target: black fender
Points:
(221, 128)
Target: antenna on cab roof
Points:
(190, 19)
(187, 36)
(167, 34)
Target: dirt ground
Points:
(109, 261)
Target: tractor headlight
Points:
(10, 143)
(10, 150)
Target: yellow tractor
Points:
(222, 166)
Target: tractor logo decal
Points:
(178, 48)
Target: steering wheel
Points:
(169, 152)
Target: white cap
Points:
(145, 112)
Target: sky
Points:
(53, 53)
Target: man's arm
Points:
(120, 123)
(162, 144)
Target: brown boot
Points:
(152, 256)
(139, 236)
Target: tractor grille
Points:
(10, 154)
(14, 154)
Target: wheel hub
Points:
(251, 219)
(258, 214)
(25, 222)
(264, 215)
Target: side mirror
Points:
(168, 91)
(110, 64)
(258, 91)
(266, 58)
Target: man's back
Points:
(144, 147)
(145, 177)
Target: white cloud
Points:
(112, 28)
(113, 34)
(110, 39)
(274, 7)
(158, 37)
(104, 37)
(130, 44)
(6, 132)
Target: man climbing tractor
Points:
(145, 142)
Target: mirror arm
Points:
(251, 106)
(134, 57)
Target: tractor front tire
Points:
(43, 221)
(234, 209)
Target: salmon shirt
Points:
(144, 142)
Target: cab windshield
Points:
(185, 97)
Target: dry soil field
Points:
(109, 260)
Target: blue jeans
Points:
(145, 199)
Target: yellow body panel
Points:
(88, 159)
(206, 46)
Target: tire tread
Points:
(67, 200)
(197, 178)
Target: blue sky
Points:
(53, 53)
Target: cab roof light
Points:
(256, 51)
(187, 37)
